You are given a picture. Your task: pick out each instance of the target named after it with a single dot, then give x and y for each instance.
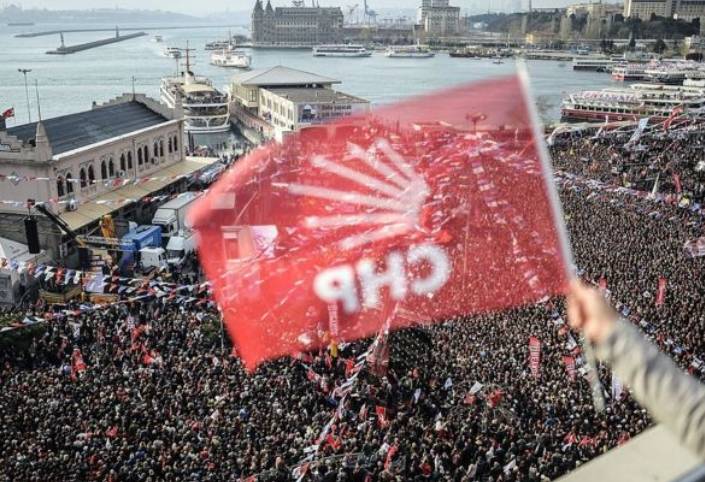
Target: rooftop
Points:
(78, 130)
(319, 95)
(281, 76)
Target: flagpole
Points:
(598, 398)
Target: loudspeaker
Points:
(84, 258)
(30, 230)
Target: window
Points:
(69, 183)
(111, 168)
(60, 186)
(161, 147)
(122, 161)
(145, 154)
(91, 174)
(129, 160)
(139, 157)
(155, 150)
(169, 145)
(83, 177)
(103, 170)
(176, 144)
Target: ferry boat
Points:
(629, 72)
(172, 52)
(218, 45)
(594, 64)
(158, 38)
(409, 52)
(206, 110)
(230, 57)
(673, 73)
(498, 60)
(635, 102)
(341, 51)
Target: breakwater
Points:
(72, 49)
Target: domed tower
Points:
(257, 22)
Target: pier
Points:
(72, 49)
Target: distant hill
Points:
(14, 13)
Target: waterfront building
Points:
(438, 18)
(295, 26)
(86, 165)
(271, 103)
(686, 10)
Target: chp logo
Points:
(388, 202)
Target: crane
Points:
(370, 14)
(350, 10)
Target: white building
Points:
(270, 103)
(89, 164)
(438, 18)
(681, 9)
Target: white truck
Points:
(153, 258)
(179, 246)
(171, 216)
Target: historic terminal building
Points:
(295, 26)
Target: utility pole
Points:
(39, 105)
(26, 90)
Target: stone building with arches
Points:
(88, 164)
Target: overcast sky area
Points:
(206, 6)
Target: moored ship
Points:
(347, 50)
(409, 52)
(206, 110)
(640, 100)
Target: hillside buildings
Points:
(682, 9)
(295, 26)
(271, 103)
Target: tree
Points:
(659, 46)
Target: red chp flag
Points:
(420, 211)
(8, 113)
(661, 293)
(535, 356)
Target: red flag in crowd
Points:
(569, 362)
(8, 113)
(381, 416)
(661, 293)
(677, 182)
(390, 456)
(77, 364)
(415, 205)
(676, 112)
(495, 398)
(602, 283)
(535, 356)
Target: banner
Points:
(535, 356)
(569, 363)
(695, 247)
(617, 387)
(661, 293)
(413, 205)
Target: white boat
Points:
(158, 38)
(172, 52)
(595, 64)
(409, 52)
(629, 72)
(633, 103)
(218, 45)
(498, 60)
(206, 110)
(349, 50)
(230, 57)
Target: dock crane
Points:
(370, 14)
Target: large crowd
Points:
(150, 391)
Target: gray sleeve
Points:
(671, 396)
